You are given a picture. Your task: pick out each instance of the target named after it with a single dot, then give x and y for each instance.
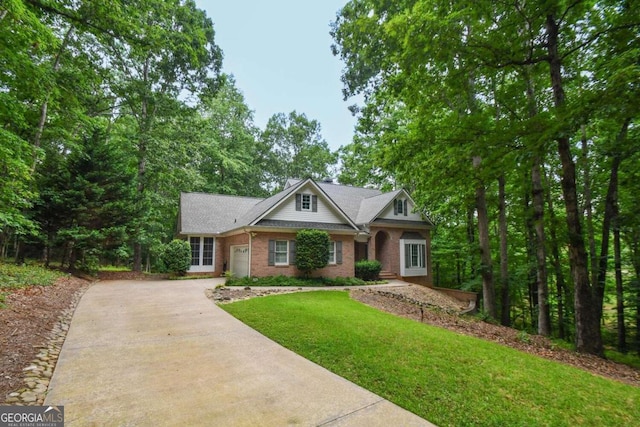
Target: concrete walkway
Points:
(161, 353)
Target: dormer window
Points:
(306, 202)
(400, 207)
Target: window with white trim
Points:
(306, 202)
(207, 251)
(332, 253)
(414, 255)
(400, 206)
(195, 250)
(282, 252)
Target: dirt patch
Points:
(25, 325)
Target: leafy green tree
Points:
(231, 158)
(297, 149)
(85, 199)
(174, 55)
(312, 250)
(499, 82)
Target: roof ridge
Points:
(203, 193)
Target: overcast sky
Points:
(279, 52)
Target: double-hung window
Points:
(282, 252)
(207, 251)
(414, 255)
(195, 250)
(306, 202)
(332, 252)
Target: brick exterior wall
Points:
(260, 257)
(238, 239)
(389, 251)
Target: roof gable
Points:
(310, 186)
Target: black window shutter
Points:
(292, 252)
(395, 207)
(314, 203)
(272, 252)
(405, 207)
(338, 252)
(407, 255)
(298, 202)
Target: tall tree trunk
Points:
(144, 129)
(557, 265)
(637, 268)
(45, 104)
(544, 317)
(588, 333)
(471, 237)
(505, 312)
(634, 247)
(622, 333)
(609, 217)
(486, 269)
(588, 206)
(532, 274)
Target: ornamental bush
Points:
(312, 250)
(368, 269)
(176, 257)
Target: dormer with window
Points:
(400, 207)
(306, 202)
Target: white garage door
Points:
(240, 260)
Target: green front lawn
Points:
(444, 377)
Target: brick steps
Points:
(387, 275)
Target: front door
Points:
(240, 260)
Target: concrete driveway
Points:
(161, 353)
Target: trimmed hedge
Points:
(176, 257)
(312, 250)
(368, 269)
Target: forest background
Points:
(512, 124)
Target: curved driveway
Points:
(160, 353)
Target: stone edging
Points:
(38, 373)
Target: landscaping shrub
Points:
(312, 250)
(293, 281)
(368, 270)
(177, 257)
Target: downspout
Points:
(250, 250)
(250, 253)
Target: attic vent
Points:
(327, 180)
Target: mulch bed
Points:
(30, 314)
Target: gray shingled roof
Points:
(202, 213)
(373, 206)
(214, 213)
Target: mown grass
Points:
(444, 377)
